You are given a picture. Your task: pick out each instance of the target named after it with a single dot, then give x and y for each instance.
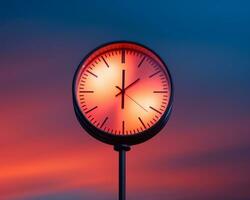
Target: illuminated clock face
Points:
(122, 89)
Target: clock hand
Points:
(127, 87)
(136, 102)
(123, 90)
(132, 99)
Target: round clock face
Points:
(122, 93)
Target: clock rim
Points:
(121, 139)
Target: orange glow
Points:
(99, 89)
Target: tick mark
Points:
(87, 91)
(91, 109)
(155, 109)
(142, 122)
(123, 127)
(141, 61)
(123, 55)
(105, 61)
(154, 74)
(104, 122)
(160, 91)
(91, 73)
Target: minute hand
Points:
(127, 87)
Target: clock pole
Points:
(121, 148)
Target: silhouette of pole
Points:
(122, 170)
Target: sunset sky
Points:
(203, 153)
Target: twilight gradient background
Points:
(204, 151)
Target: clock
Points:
(122, 93)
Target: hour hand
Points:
(127, 87)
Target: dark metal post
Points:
(122, 170)
(122, 174)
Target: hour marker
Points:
(160, 91)
(155, 109)
(141, 61)
(92, 73)
(154, 74)
(123, 127)
(104, 122)
(105, 61)
(91, 109)
(142, 122)
(87, 91)
(123, 55)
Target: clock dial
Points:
(123, 89)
